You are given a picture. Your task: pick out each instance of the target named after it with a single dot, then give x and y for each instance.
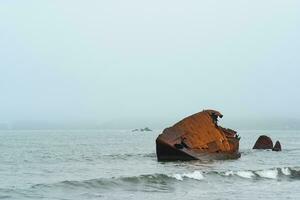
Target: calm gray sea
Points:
(122, 165)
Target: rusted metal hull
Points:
(167, 153)
(198, 137)
(265, 143)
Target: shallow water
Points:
(122, 165)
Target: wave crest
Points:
(275, 173)
(164, 182)
(194, 175)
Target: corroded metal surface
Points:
(198, 137)
(277, 146)
(263, 142)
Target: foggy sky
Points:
(155, 61)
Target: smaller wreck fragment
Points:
(198, 137)
(277, 146)
(265, 143)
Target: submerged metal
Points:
(198, 137)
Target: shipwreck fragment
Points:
(198, 137)
(277, 146)
(263, 142)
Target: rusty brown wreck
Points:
(198, 137)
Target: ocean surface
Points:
(122, 164)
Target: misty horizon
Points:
(102, 64)
(131, 124)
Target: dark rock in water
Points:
(277, 146)
(145, 129)
(142, 130)
(263, 142)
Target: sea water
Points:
(120, 164)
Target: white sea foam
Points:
(229, 173)
(178, 177)
(271, 174)
(245, 174)
(286, 171)
(197, 175)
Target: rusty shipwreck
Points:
(198, 137)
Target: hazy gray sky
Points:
(159, 59)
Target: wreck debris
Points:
(198, 137)
(277, 146)
(263, 142)
(145, 129)
(142, 130)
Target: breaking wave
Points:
(165, 182)
(275, 173)
(147, 183)
(197, 175)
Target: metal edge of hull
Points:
(165, 152)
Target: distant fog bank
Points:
(238, 124)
